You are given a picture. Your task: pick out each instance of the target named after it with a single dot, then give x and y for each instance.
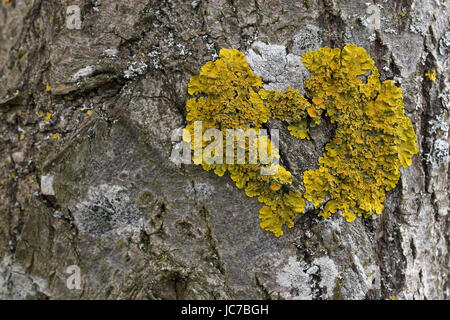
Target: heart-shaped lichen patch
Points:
(373, 136)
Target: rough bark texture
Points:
(140, 227)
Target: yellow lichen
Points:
(226, 97)
(373, 136)
(431, 74)
(291, 106)
(231, 101)
(48, 116)
(48, 88)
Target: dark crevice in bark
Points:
(211, 240)
(334, 24)
(426, 115)
(388, 245)
(265, 294)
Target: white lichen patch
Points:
(295, 280)
(419, 26)
(445, 99)
(308, 38)
(107, 209)
(203, 190)
(390, 30)
(372, 20)
(328, 275)
(439, 155)
(82, 73)
(444, 43)
(155, 58)
(135, 69)
(110, 53)
(277, 69)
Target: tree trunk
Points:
(86, 118)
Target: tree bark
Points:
(86, 118)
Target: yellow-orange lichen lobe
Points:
(373, 136)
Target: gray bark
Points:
(138, 226)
